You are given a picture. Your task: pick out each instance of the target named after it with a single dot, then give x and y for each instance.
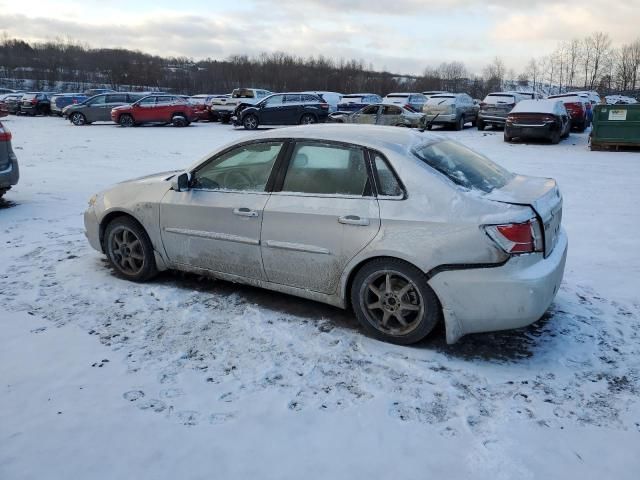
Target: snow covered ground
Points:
(188, 378)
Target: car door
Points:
(215, 224)
(270, 109)
(96, 110)
(368, 115)
(112, 101)
(319, 217)
(143, 111)
(391, 115)
(291, 110)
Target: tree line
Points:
(590, 63)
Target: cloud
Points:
(404, 36)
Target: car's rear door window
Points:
(319, 168)
(386, 181)
(463, 166)
(117, 98)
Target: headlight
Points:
(92, 200)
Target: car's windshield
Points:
(242, 93)
(463, 166)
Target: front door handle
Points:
(245, 212)
(353, 220)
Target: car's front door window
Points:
(98, 101)
(274, 101)
(147, 102)
(246, 168)
(328, 169)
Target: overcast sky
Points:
(402, 36)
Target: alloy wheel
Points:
(391, 302)
(126, 250)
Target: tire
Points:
(129, 250)
(308, 119)
(555, 138)
(179, 121)
(480, 124)
(77, 119)
(582, 127)
(507, 138)
(126, 120)
(378, 292)
(225, 119)
(250, 122)
(459, 125)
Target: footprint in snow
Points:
(153, 405)
(220, 418)
(188, 417)
(133, 395)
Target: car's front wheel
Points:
(393, 302)
(250, 122)
(179, 121)
(78, 119)
(126, 120)
(129, 250)
(459, 123)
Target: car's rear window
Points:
(441, 100)
(29, 96)
(353, 98)
(242, 93)
(463, 166)
(495, 99)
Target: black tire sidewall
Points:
(244, 122)
(432, 309)
(149, 268)
(126, 115)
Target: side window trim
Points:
(371, 154)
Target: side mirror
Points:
(180, 183)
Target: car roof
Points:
(399, 140)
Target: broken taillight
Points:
(517, 237)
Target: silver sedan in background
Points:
(405, 228)
(380, 114)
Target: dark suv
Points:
(283, 109)
(35, 103)
(98, 108)
(8, 162)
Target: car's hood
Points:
(153, 178)
(122, 107)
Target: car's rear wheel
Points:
(179, 121)
(129, 250)
(460, 123)
(555, 137)
(308, 119)
(126, 120)
(393, 302)
(78, 119)
(250, 122)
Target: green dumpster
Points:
(615, 126)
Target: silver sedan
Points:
(406, 228)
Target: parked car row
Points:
(254, 107)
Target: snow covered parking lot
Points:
(190, 378)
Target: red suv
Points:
(155, 109)
(576, 107)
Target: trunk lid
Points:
(543, 196)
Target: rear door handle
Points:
(353, 220)
(245, 212)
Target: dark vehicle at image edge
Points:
(9, 173)
(283, 109)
